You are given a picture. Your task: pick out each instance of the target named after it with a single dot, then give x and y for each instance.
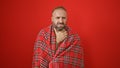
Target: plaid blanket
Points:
(68, 55)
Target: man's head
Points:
(59, 18)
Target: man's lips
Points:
(60, 24)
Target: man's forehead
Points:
(59, 12)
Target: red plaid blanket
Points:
(68, 55)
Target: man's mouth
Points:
(60, 25)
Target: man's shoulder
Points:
(73, 33)
(44, 30)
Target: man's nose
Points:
(61, 20)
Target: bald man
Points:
(57, 46)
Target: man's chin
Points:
(59, 28)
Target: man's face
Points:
(59, 18)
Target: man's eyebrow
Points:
(57, 17)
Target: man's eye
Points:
(63, 17)
(57, 17)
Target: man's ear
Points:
(51, 18)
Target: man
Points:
(57, 46)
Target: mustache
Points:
(61, 23)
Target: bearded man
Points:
(57, 46)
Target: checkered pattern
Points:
(68, 55)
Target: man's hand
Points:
(60, 35)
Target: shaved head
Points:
(59, 7)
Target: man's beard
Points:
(59, 26)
